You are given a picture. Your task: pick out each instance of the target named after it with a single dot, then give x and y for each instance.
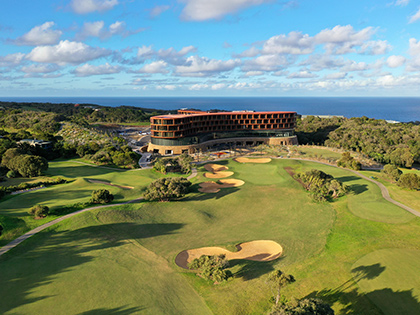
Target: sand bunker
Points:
(255, 160)
(222, 174)
(224, 183)
(94, 181)
(215, 168)
(255, 250)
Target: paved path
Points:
(383, 189)
(193, 173)
(27, 235)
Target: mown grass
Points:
(122, 258)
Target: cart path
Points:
(193, 173)
(384, 190)
(27, 235)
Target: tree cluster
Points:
(101, 196)
(180, 164)
(392, 172)
(384, 142)
(211, 267)
(349, 162)
(315, 130)
(26, 165)
(307, 306)
(322, 186)
(165, 189)
(408, 180)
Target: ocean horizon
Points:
(403, 109)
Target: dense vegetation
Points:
(166, 189)
(211, 267)
(322, 186)
(385, 142)
(180, 164)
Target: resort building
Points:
(192, 130)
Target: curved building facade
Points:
(190, 130)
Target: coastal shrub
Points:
(211, 267)
(349, 162)
(410, 181)
(11, 174)
(101, 196)
(322, 186)
(391, 171)
(39, 211)
(165, 189)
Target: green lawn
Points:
(390, 278)
(120, 260)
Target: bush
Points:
(348, 161)
(165, 189)
(410, 181)
(211, 267)
(392, 171)
(101, 196)
(39, 211)
(11, 174)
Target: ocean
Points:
(403, 109)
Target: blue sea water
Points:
(402, 109)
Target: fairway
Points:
(390, 278)
(122, 259)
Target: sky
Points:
(209, 48)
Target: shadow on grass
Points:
(112, 311)
(199, 196)
(249, 269)
(375, 302)
(358, 189)
(38, 261)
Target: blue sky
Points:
(209, 48)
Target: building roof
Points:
(175, 116)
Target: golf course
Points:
(359, 253)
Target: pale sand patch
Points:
(262, 250)
(94, 181)
(221, 174)
(215, 167)
(256, 160)
(225, 183)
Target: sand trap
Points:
(215, 167)
(255, 160)
(94, 181)
(225, 183)
(210, 190)
(255, 250)
(221, 174)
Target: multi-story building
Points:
(190, 130)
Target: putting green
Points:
(390, 278)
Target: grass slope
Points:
(111, 256)
(390, 278)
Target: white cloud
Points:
(89, 70)
(321, 62)
(402, 2)
(155, 67)
(377, 47)
(254, 73)
(201, 66)
(294, 43)
(11, 60)
(343, 39)
(335, 76)
(145, 52)
(197, 87)
(88, 6)
(201, 10)
(169, 87)
(98, 29)
(218, 86)
(267, 63)
(415, 17)
(302, 75)
(395, 61)
(66, 52)
(40, 35)
(414, 63)
(40, 68)
(158, 10)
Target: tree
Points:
(410, 181)
(392, 171)
(31, 165)
(277, 279)
(39, 211)
(211, 267)
(308, 306)
(348, 161)
(165, 189)
(101, 196)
